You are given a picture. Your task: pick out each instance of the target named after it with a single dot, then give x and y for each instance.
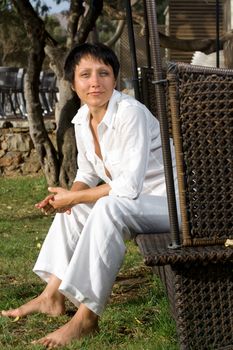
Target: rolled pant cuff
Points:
(77, 298)
(44, 272)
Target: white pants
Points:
(85, 250)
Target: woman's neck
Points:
(97, 114)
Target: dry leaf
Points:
(137, 320)
(229, 243)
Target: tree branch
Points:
(76, 11)
(119, 30)
(94, 11)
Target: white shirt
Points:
(129, 138)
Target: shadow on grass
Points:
(26, 216)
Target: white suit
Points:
(86, 249)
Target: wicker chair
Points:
(198, 276)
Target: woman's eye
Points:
(84, 75)
(103, 73)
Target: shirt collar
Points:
(82, 115)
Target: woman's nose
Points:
(94, 80)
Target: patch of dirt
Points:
(131, 284)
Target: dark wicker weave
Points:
(199, 275)
(202, 118)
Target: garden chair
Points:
(12, 101)
(8, 81)
(198, 274)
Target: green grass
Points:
(137, 316)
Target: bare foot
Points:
(78, 327)
(54, 306)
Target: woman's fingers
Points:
(44, 202)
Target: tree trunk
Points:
(67, 148)
(36, 32)
(42, 143)
(66, 108)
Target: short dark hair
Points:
(98, 51)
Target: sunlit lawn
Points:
(137, 316)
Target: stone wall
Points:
(17, 153)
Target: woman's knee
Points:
(108, 204)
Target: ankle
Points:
(51, 290)
(53, 296)
(87, 315)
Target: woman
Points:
(119, 190)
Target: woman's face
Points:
(94, 82)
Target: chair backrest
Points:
(48, 81)
(8, 78)
(201, 102)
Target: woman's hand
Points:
(60, 200)
(44, 205)
(47, 208)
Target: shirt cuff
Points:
(90, 180)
